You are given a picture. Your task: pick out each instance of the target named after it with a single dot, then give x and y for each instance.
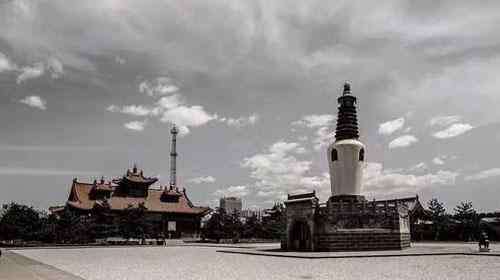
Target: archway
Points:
(300, 236)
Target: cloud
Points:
(323, 138)
(202, 179)
(241, 121)
(403, 141)
(315, 120)
(30, 72)
(172, 101)
(34, 101)
(278, 172)
(53, 66)
(120, 60)
(134, 110)
(5, 64)
(324, 134)
(378, 181)
(443, 121)
(390, 127)
(159, 87)
(437, 161)
(26, 171)
(493, 172)
(453, 130)
(419, 167)
(135, 125)
(187, 116)
(237, 191)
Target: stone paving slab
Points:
(18, 267)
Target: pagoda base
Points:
(346, 223)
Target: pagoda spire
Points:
(173, 157)
(347, 120)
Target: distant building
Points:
(168, 208)
(247, 213)
(231, 204)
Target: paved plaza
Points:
(210, 262)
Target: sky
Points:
(89, 88)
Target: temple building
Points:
(347, 221)
(168, 208)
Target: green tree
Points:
(19, 222)
(214, 227)
(252, 228)
(467, 215)
(72, 228)
(439, 218)
(102, 221)
(274, 224)
(223, 226)
(132, 222)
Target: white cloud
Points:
(241, 121)
(378, 181)
(135, 125)
(202, 179)
(171, 101)
(493, 172)
(390, 127)
(30, 72)
(134, 110)
(323, 137)
(5, 64)
(159, 87)
(453, 130)
(237, 191)
(34, 101)
(403, 141)
(419, 167)
(437, 161)
(53, 66)
(187, 116)
(443, 121)
(315, 120)
(278, 172)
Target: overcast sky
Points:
(89, 88)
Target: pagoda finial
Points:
(347, 88)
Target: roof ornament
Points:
(135, 168)
(347, 88)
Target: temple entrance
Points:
(300, 236)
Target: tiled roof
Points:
(79, 198)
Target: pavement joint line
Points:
(358, 256)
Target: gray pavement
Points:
(190, 262)
(15, 266)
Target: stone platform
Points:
(424, 249)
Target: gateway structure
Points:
(347, 221)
